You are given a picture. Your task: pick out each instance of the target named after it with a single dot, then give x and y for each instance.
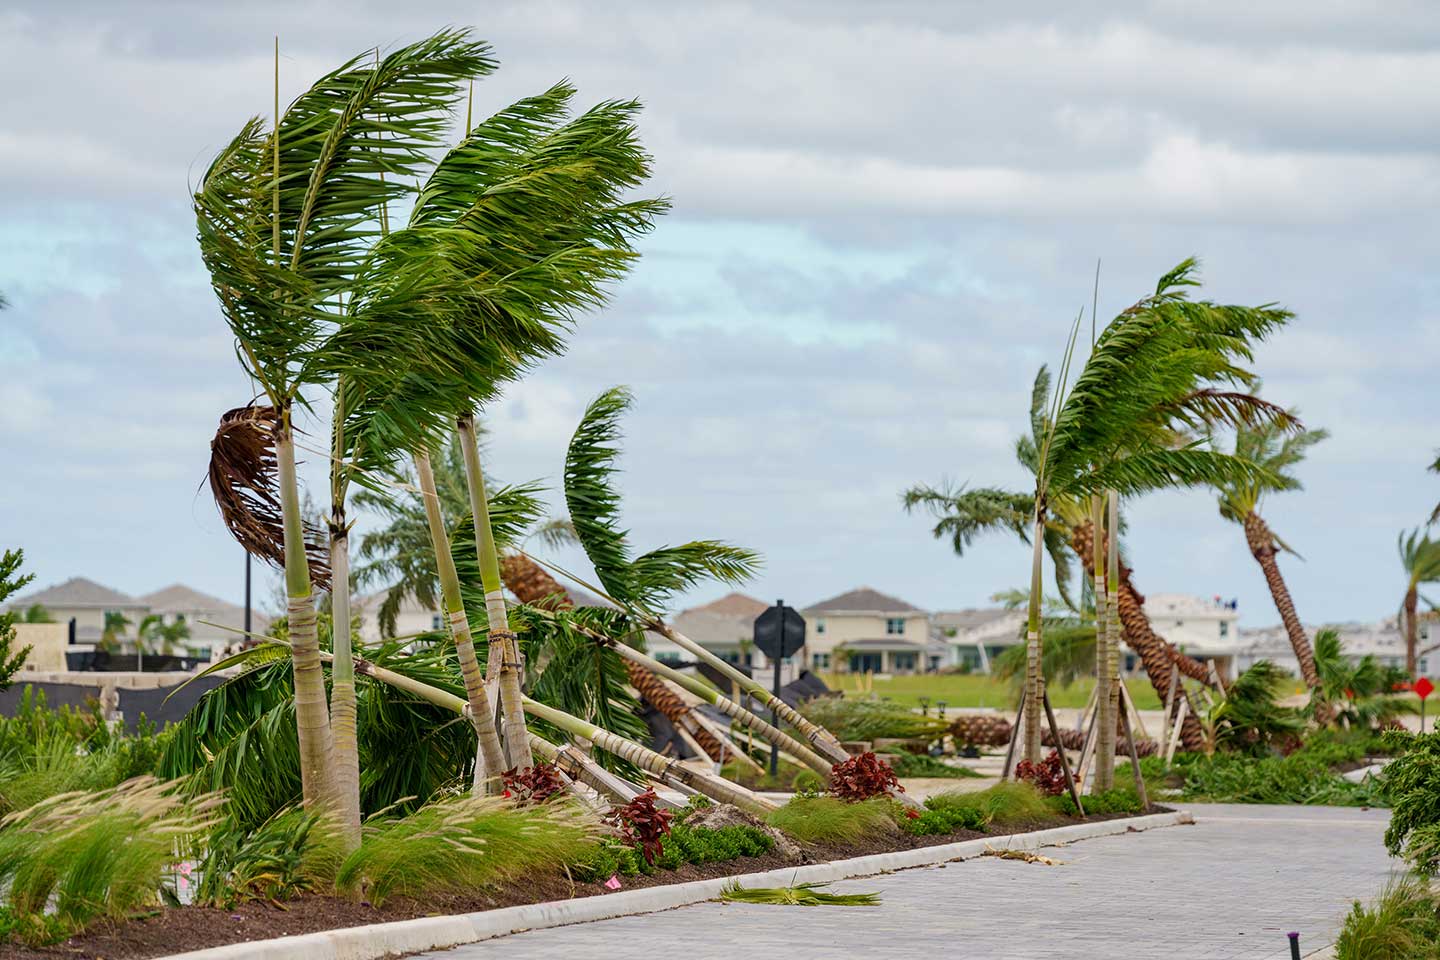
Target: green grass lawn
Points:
(974, 690)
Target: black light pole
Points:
(775, 717)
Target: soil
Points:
(167, 931)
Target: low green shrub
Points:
(934, 821)
(832, 820)
(1412, 785)
(1403, 923)
(292, 853)
(458, 845)
(85, 857)
(1117, 800)
(685, 844)
(1008, 802)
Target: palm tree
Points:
(1163, 368)
(531, 203)
(286, 221)
(1278, 451)
(1357, 693)
(1420, 556)
(155, 633)
(113, 630)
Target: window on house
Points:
(1179, 623)
(903, 662)
(436, 621)
(895, 625)
(820, 661)
(1224, 628)
(820, 626)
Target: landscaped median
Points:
(431, 933)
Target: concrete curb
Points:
(437, 933)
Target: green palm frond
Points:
(963, 514)
(1278, 450)
(1067, 655)
(665, 571)
(800, 895)
(1420, 556)
(591, 495)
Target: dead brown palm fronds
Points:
(244, 479)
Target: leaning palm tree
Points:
(1277, 450)
(532, 203)
(1164, 368)
(286, 221)
(1420, 556)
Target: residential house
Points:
(1206, 629)
(85, 603)
(214, 624)
(725, 627)
(1384, 640)
(866, 631)
(973, 637)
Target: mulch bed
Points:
(178, 929)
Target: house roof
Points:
(969, 618)
(733, 605)
(178, 598)
(863, 600)
(78, 592)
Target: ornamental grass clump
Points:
(1402, 923)
(1004, 803)
(832, 820)
(80, 857)
(456, 846)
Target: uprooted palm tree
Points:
(1165, 368)
(286, 221)
(1420, 556)
(643, 585)
(1278, 450)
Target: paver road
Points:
(1229, 886)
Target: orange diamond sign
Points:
(1424, 687)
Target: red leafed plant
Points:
(862, 777)
(642, 824)
(1047, 775)
(533, 785)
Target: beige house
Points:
(86, 603)
(214, 623)
(974, 637)
(725, 627)
(866, 631)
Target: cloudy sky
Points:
(885, 217)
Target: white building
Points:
(1383, 640)
(973, 637)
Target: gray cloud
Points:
(885, 217)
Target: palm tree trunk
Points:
(1034, 680)
(490, 759)
(312, 714)
(342, 688)
(1412, 637)
(721, 791)
(504, 658)
(821, 740)
(1156, 655)
(1112, 640)
(1262, 546)
(531, 585)
(1104, 723)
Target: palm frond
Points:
(661, 573)
(962, 514)
(244, 480)
(591, 495)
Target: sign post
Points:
(1424, 688)
(779, 632)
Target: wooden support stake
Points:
(1060, 751)
(1138, 720)
(1014, 737)
(1135, 762)
(1087, 751)
(1175, 733)
(1169, 704)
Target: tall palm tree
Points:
(1164, 368)
(1277, 450)
(1420, 556)
(534, 201)
(286, 222)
